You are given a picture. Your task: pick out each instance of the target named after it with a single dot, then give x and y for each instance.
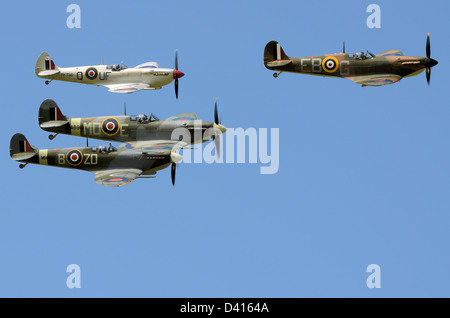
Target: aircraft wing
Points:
(391, 53)
(184, 116)
(377, 80)
(155, 146)
(127, 88)
(116, 177)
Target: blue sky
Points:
(363, 178)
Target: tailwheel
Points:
(48, 82)
(51, 137)
(23, 165)
(276, 74)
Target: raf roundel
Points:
(91, 73)
(110, 126)
(330, 64)
(74, 157)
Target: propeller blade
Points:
(216, 115)
(176, 60)
(176, 88)
(173, 169)
(428, 46)
(343, 48)
(428, 75)
(217, 145)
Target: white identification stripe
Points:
(43, 160)
(278, 57)
(75, 126)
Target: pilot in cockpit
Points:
(142, 118)
(117, 67)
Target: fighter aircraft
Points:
(117, 77)
(366, 69)
(150, 144)
(136, 130)
(112, 166)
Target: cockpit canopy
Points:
(143, 118)
(361, 55)
(104, 149)
(148, 65)
(116, 67)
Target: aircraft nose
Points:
(177, 74)
(220, 127)
(174, 157)
(433, 62)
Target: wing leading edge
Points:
(128, 88)
(377, 80)
(116, 177)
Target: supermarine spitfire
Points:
(117, 77)
(149, 145)
(366, 69)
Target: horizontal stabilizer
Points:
(22, 156)
(20, 149)
(53, 124)
(278, 63)
(50, 115)
(48, 73)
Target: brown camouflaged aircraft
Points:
(366, 69)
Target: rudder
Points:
(50, 114)
(45, 65)
(20, 149)
(274, 52)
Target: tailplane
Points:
(50, 116)
(20, 149)
(274, 55)
(45, 66)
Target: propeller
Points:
(174, 157)
(176, 74)
(429, 62)
(172, 172)
(217, 127)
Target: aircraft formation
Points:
(150, 144)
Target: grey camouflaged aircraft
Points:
(366, 69)
(112, 166)
(117, 77)
(149, 145)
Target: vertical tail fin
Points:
(45, 65)
(20, 149)
(50, 116)
(274, 55)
